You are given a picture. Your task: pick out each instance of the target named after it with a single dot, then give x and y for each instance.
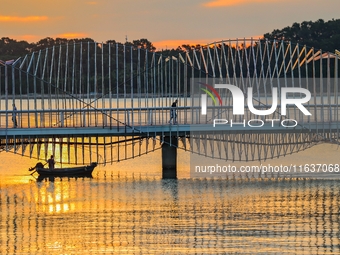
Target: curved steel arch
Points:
(89, 84)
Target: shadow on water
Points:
(171, 187)
(42, 178)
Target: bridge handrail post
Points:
(105, 118)
(62, 119)
(127, 118)
(36, 119)
(150, 122)
(42, 119)
(84, 118)
(132, 119)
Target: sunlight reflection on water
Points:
(153, 216)
(127, 209)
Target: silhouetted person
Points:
(51, 163)
(173, 113)
(14, 116)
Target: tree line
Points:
(319, 34)
(12, 49)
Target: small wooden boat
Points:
(78, 171)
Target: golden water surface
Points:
(127, 209)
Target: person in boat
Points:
(51, 162)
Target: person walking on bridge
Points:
(14, 116)
(173, 113)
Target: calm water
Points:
(127, 209)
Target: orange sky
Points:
(220, 3)
(170, 44)
(167, 24)
(22, 19)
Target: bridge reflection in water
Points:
(123, 215)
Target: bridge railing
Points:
(148, 116)
(94, 117)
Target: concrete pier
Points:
(169, 157)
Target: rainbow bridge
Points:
(108, 102)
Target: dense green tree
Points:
(49, 42)
(12, 49)
(144, 44)
(319, 34)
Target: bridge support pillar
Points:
(169, 157)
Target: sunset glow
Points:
(27, 38)
(23, 19)
(220, 3)
(166, 24)
(173, 44)
(72, 35)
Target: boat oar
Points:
(34, 168)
